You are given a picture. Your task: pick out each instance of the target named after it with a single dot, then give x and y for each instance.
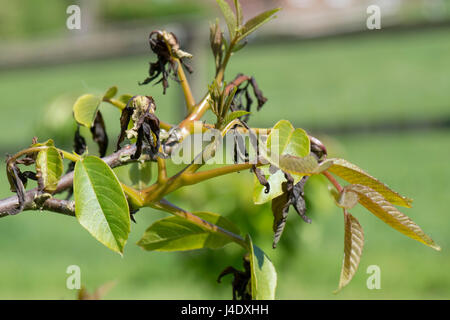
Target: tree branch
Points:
(34, 199)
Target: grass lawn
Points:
(336, 81)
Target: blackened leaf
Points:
(124, 120)
(241, 280)
(79, 143)
(261, 178)
(99, 135)
(297, 199)
(280, 209)
(17, 185)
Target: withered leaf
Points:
(17, 182)
(261, 178)
(99, 135)
(166, 47)
(124, 121)
(241, 280)
(243, 90)
(292, 195)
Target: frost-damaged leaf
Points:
(100, 203)
(256, 22)
(110, 93)
(241, 280)
(178, 234)
(263, 274)
(165, 45)
(356, 175)
(292, 195)
(353, 247)
(17, 183)
(140, 110)
(261, 178)
(85, 109)
(49, 168)
(79, 147)
(229, 16)
(380, 207)
(99, 135)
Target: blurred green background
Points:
(327, 85)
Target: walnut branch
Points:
(35, 200)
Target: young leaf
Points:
(110, 93)
(263, 274)
(49, 168)
(229, 16)
(380, 207)
(140, 174)
(356, 175)
(275, 180)
(257, 22)
(85, 109)
(285, 140)
(234, 115)
(353, 247)
(301, 166)
(178, 234)
(125, 98)
(239, 15)
(100, 203)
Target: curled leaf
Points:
(353, 247)
(85, 109)
(17, 183)
(99, 135)
(49, 168)
(241, 280)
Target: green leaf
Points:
(355, 175)
(178, 234)
(140, 174)
(85, 109)
(234, 115)
(100, 203)
(380, 207)
(229, 16)
(239, 15)
(275, 180)
(257, 22)
(125, 98)
(49, 168)
(285, 140)
(353, 247)
(110, 93)
(263, 274)
(282, 140)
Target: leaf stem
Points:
(188, 97)
(168, 207)
(332, 180)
